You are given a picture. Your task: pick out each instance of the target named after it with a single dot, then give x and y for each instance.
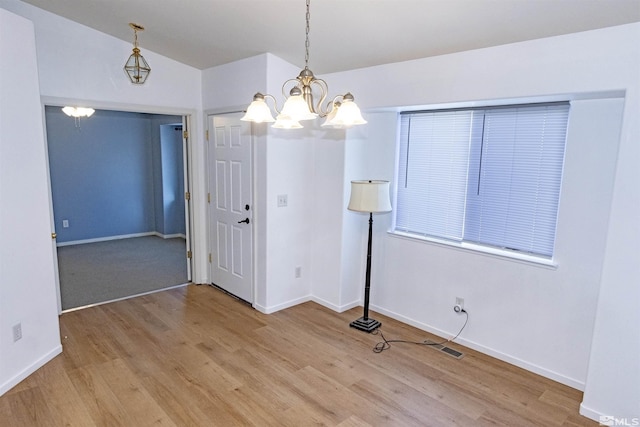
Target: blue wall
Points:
(173, 221)
(106, 172)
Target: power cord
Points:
(385, 344)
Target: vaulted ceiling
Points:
(344, 34)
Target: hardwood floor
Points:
(193, 356)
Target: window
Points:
(489, 176)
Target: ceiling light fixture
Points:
(299, 105)
(78, 112)
(136, 67)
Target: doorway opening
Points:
(119, 191)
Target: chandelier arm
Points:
(324, 90)
(335, 101)
(275, 102)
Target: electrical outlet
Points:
(459, 306)
(17, 332)
(298, 272)
(282, 200)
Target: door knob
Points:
(246, 221)
(54, 235)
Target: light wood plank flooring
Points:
(193, 356)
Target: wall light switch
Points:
(282, 200)
(65, 223)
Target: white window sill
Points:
(479, 249)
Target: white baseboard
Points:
(278, 307)
(571, 382)
(331, 306)
(119, 237)
(590, 413)
(322, 302)
(170, 236)
(12, 382)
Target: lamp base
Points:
(368, 325)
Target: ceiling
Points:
(344, 34)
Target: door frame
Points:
(209, 115)
(188, 153)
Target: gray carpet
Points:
(97, 272)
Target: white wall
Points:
(27, 281)
(292, 163)
(283, 166)
(75, 65)
(613, 380)
(78, 65)
(369, 152)
(536, 317)
(520, 311)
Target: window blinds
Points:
(490, 176)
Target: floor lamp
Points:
(372, 197)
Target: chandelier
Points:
(136, 67)
(341, 112)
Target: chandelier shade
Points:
(305, 101)
(136, 67)
(258, 111)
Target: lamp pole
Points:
(367, 283)
(365, 323)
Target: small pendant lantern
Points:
(136, 67)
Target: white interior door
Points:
(230, 204)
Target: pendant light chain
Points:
(299, 94)
(306, 43)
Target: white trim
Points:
(590, 413)
(284, 305)
(127, 297)
(55, 101)
(170, 236)
(571, 382)
(122, 236)
(491, 102)
(336, 308)
(15, 380)
(479, 249)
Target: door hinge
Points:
(187, 196)
(208, 197)
(206, 134)
(185, 134)
(210, 258)
(189, 255)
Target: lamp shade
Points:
(370, 196)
